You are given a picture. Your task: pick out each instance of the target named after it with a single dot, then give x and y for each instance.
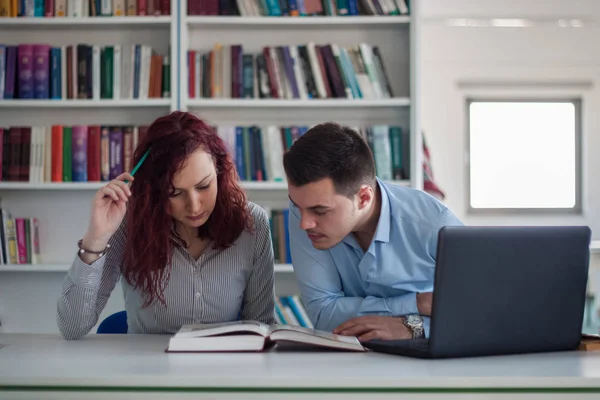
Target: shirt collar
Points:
(382, 233)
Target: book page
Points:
(314, 332)
(202, 330)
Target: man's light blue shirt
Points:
(344, 282)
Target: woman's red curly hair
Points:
(151, 237)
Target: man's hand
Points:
(424, 301)
(375, 327)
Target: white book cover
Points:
(60, 8)
(227, 133)
(242, 7)
(145, 57)
(367, 57)
(76, 8)
(254, 336)
(136, 137)
(106, 7)
(117, 71)
(382, 151)
(298, 73)
(275, 151)
(316, 70)
(118, 8)
(402, 7)
(252, 6)
(29, 8)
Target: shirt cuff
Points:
(86, 275)
(403, 305)
(426, 326)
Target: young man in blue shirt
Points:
(363, 250)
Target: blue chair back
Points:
(114, 323)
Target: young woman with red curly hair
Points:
(187, 244)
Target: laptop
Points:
(503, 290)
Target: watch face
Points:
(413, 319)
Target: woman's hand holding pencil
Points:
(108, 210)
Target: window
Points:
(524, 155)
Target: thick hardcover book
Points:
(254, 336)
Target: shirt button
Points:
(197, 295)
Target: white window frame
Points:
(577, 103)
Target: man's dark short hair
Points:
(330, 150)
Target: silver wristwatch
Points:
(415, 324)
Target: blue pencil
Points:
(139, 164)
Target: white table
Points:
(136, 366)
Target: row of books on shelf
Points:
(20, 239)
(95, 153)
(258, 150)
(297, 8)
(289, 72)
(83, 8)
(289, 310)
(61, 153)
(82, 71)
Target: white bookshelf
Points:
(295, 21)
(396, 36)
(27, 293)
(63, 208)
(285, 103)
(84, 22)
(102, 103)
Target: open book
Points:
(254, 336)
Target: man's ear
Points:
(365, 196)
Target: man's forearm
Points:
(327, 314)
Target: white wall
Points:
(542, 60)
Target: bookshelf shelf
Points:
(279, 268)
(84, 103)
(62, 22)
(285, 103)
(97, 185)
(197, 21)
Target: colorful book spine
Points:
(55, 73)
(41, 70)
(2, 69)
(116, 152)
(21, 240)
(79, 149)
(25, 72)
